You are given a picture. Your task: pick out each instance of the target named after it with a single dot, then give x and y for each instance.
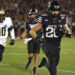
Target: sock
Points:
(34, 69)
(29, 59)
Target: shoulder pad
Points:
(8, 18)
(63, 16)
(8, 21)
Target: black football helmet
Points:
(2, 15)
(33, 11)
(54, 6)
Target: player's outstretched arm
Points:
(69, 34)
(35, 29)
(12, 33)
(23, 35)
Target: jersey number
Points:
(50, 32)
(2, 31)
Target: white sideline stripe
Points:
(25, 53)
(59, 70)
(18, 53)
(4, 64)
(14, 53)
(64, 52)
(67, 71)
(42, 68)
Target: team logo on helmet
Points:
(33, 11)
(54, 6)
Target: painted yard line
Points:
(18, 53)
(43, 69)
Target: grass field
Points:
(15, 58)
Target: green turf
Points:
(15, 58)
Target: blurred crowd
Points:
(18, 10)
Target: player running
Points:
(33, 44)
(5, 26)
(54, 23)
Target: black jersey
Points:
(29, 25)
(51, 25)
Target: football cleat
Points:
(12, 42)
(34, 71)
(27, 65)
(43, 63)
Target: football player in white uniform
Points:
(5, 26)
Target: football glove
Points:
(68, 35)
(12, 42)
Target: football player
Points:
(54, 24)
(5, 26)
(33, 44)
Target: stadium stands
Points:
(18, 9)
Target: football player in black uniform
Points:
(33, 44)
(54, 24)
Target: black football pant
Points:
(1, 51)
(53, 55)
(52, 64)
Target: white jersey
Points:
(4, 26)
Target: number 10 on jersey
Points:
(2, 31)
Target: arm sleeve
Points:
(64, 20)
(12, 33)
(9, 22)
(11, 28)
